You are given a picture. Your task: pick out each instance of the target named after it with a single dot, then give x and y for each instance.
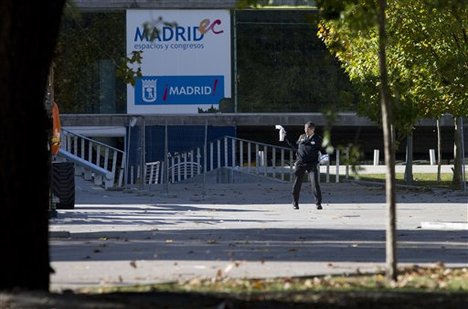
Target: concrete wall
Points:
(237, 119)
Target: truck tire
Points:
(63, 184)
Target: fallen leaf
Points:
(229, 268)
(219, 275)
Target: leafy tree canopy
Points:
(426, 55)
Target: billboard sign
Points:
(186, 60)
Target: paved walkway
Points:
(247, 230)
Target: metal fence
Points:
(240, 155)
(183, 153)
(94, 160)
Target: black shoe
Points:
(295, 205)
(319, 206)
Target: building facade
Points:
(281, 73)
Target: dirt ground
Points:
(218, 301)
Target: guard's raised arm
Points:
(283, 136)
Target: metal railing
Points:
(181, 166)
(229, 152)
(251, 157)
(152, 172)
(96, 161)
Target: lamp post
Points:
(131, 124)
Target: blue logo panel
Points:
(167, 90)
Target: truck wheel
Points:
(63, 184)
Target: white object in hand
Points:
(324, 159)
(282, 132)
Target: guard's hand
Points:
(282, 134)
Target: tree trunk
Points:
(457, 154)
(409, 159)
(439, 151)
(28, 32)
(389, 149)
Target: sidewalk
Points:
(246, 230)
(382, 169)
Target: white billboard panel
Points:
(186, 61)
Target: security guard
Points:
(308, 147)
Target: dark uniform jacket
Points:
(307, 148)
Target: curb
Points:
(444, 225)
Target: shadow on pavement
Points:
(257, 193)
(308, 245)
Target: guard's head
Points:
(309, 124)
(309, 127)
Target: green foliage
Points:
(426, 56)
(420, 179)
(86, 41)
(126, 69)
(355, 44)
(432, 44)
(426, 48)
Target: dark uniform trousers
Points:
(313, 171)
